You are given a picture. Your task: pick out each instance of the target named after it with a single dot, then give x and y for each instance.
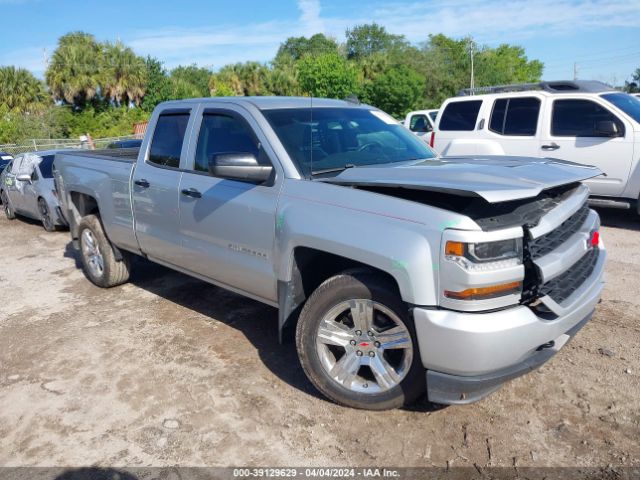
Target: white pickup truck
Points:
(585, 122)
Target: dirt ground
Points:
(168, 370)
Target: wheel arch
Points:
(80, 205)
(309, 268)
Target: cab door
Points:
(155, 186)
(578, 130)
(228, 226)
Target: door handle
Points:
(551, 146)
(142, 183)
(191, 192)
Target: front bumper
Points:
(469, 355)
(455, 389)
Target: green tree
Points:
(368, 39)
(73, 75)
(506, 64)
(250, 78)
(446, 65)
(396, 91)
(294, 48)
(327, 75)
(21, 92)
(123, 76)
(158, 85)
(283, 80)
(189, 82)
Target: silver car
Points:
(27, 188)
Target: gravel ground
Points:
(168, 370)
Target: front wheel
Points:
(8, 210)
(356, 343)
(99, 261)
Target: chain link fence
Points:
(39, 144)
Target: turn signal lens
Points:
(454, 248)
(484, 293)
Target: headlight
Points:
(485, 255)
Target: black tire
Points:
(350, 286)
(113, 272)
(6, 206)
(45, 216)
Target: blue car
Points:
(5, 158)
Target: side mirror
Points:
(607, 128)
(239, 166)
(23, 177)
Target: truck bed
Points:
(122, 154)
(104, 175)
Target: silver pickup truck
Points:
(401, 272)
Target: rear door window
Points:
(579, 118)
(166, 144)
(515, 116)
(460, 116)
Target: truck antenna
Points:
(311, 136)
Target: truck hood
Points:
(494, 178)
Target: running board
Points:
(610, 203)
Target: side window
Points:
(420, 124)
(222, 134)
(460, 116)
(168, 136)
(46, 166)
(496, 122)
(515, 116)
(580, 118)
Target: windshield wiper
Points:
(332, 170)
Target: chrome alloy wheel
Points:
(364, 346)
(92, 253)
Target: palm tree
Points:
(124, 75)
(21, 92)
(73, 75)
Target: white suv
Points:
(581, 121)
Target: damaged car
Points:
(27, 188)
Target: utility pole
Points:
(45, 58)
(472, 85)
(575, 71)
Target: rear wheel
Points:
(356, 343)
(45, 215)
(99, 261)
(8, 210)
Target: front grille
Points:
(561, 287)
(552, 240)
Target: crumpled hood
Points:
(494, 178)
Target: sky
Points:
(600, 38)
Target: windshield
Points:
(625, 102)
(323, 139)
